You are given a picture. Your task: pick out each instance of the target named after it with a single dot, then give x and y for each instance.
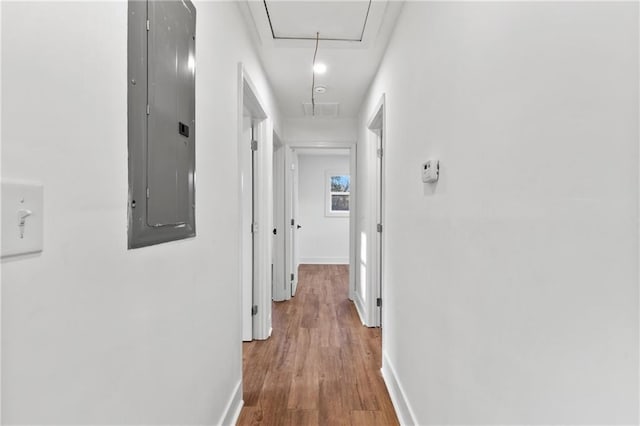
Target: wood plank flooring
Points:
(320, 366)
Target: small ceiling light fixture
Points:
(320, 90)
(319, 68)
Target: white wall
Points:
(323, 239)
(511, 285)
(92, 332)
(318, 129)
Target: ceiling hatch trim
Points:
(294, 37)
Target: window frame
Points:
(329, 212)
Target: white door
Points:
(280, 284)
(379, 228)
(292, 256)
(369, 290)
(246, 191)
(296, 225)
(253, 227)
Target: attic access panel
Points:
(161, 113)
(335, 20)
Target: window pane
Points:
(340, 183)
(339, 203)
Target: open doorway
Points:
(317, 231)
(376, 139)
(255, 150)
(246, 228)
(323, 182)
(368, 294)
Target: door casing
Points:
(262, 208)
(372, 248)
(279, 280)
(353, 214)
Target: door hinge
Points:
(254, 145)
(292, 276)
(148, 193)
(293, 222)
(379, 227)
(379, 302)
(254, 310)
(148, 25)
(380, 152)
(148, 109)
(254, 227)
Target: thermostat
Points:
(430, 171)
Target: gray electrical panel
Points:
(161, 113)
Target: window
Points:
(338, 192)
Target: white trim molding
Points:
(353, 205)
(249, 99)
(324, 261)
(398, 397)
(234, 406)
(359, 304)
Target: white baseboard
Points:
(325, 260)
(357, 300)
(398, 397)
(233, 408)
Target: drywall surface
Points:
(323, 239)
(93, 333)
(511, 285)
(296, 130)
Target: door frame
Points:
(376, 126)
(249, 100)
(353, 213)
(279, 222)
(291, 186)
(245, 199)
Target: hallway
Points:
(150, 150)
(321, 366)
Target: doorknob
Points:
(299, 226)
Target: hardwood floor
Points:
(320, 366)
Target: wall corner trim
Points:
(398, 396)
(234, 406)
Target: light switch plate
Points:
(21, 201)
(430, 171)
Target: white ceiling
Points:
(288, 57)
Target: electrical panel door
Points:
(162, 149)
(171, 113)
